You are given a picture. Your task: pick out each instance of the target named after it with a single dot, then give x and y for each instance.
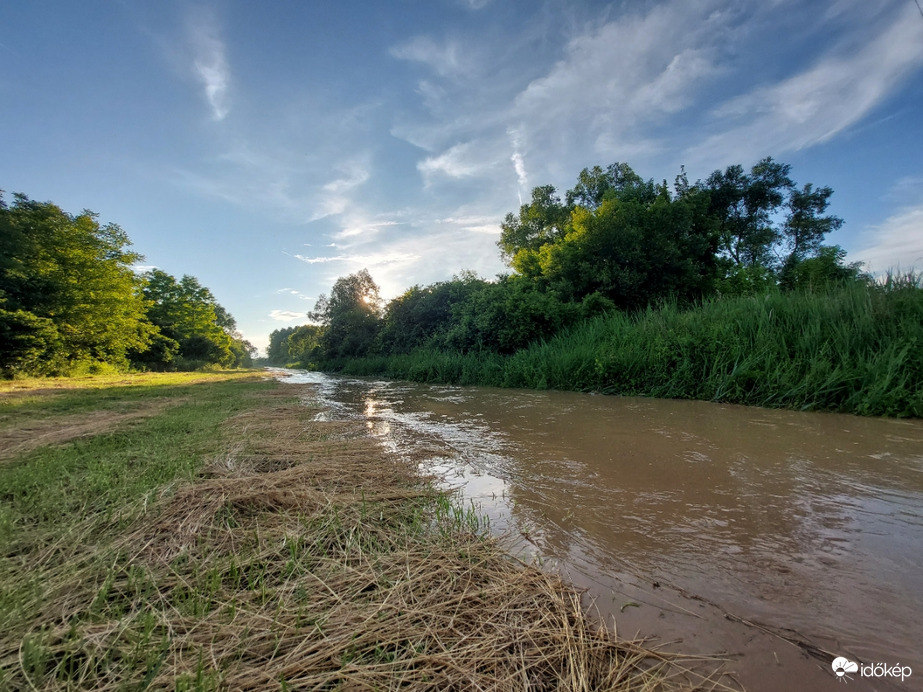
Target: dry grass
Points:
(305, 558)
(22, 437)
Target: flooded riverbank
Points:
(726, 527)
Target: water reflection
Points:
(797, 520)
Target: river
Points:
(715, 528)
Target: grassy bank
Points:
(221, 538)
(856, 350)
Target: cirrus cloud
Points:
(288, 315)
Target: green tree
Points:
(756, 249)
(242, 350)
(187, 314)
(825, 269)
(291, 345)
(424, 315)
(744, 205)
(68, 294)
(541, 221)
(507, 315)
(636, 245)
(350, 316)
(303, 343)
(805, 228)
(618, 180)
(277, 352)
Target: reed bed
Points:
(851, 349)
(304, 558)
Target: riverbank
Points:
(854, 349)
(224, 538)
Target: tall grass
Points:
(855, 349)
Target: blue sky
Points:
(269, 147)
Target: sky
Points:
(268, 148)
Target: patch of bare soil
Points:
(22, 438)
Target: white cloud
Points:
(464, 160)
(519, 164)
(288, 315)
(334, 197)
(446, 60)
(293, 292)
(209, 63)
(819, 103)
(440, 253)
(616, 81)
(360, 227)
(897, 243)
(356, 174)
(474, 224)
(488, 229)
(370, 260)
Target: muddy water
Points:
(763, 534)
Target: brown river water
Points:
(777, 538)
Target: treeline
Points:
(625, 252)
(71, 303)
(294, 346)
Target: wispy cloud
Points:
(209, 62)
(334, 198)
(815, 105)
(617, 81)
(293, 292)
(359, 226)
(464, 160)
(446, 59)
(288, 315)
(519, 164)
(897, 243)
(355, 176)
(474, 224)
(371, 260)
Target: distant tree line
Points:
(614, 242)
(293, 345)
(71, 302)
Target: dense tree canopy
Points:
(423, 314)
(293, 345)
(187, 314)
(68, 294)
(350, 316)
(637, 245)
(70, 301)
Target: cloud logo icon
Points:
(842, 665)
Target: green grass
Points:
(58, 502)
(52, 395)
(91, 476)
(855, 349)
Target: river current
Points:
(762, 534)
